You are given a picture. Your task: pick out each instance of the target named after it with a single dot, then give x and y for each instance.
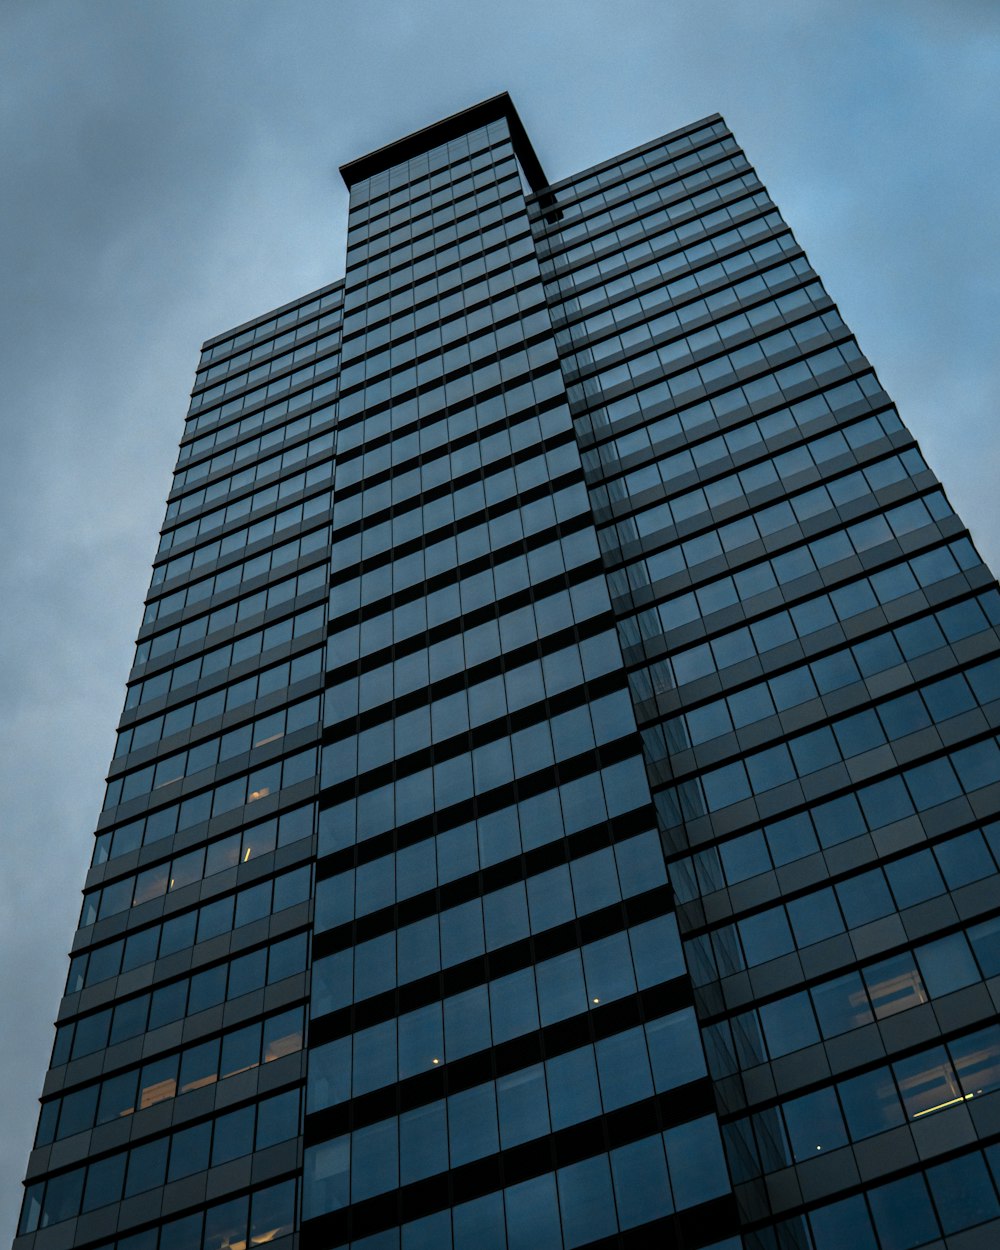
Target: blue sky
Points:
(171, 170)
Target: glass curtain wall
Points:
(503, 1048)
(811, 649)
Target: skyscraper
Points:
(555, 803)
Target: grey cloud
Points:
(170, 170)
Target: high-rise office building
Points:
(555, 803)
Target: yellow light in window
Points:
(435, 1062)
(941, 1105)
(247, 855)
(259, 794)
(596, 1000)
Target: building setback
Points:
(555, 802)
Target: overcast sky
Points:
(169, 170)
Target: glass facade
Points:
(556, 802)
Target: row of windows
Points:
(499, 531)
(330, 299)
(801, 620)
(686, 285)
(255, 840)
(263, 528)
(228, 795)
(230, 698)
(652, 302)
(273, 437)
(506, 1007)
(460, 1025)
(240, 694)
(652, 234)
(847, 600)
(484, 703)
(568, 1208)
(852, 1000)
(878, 1100)
(238, 848)
(632, 218)
(860, 899)
(247, 647)
(509, 831)
(705, 455)
(491, 345)
(328, 344)
(693, 342)
(235, 742)
(429, 220)
(457, 934)
(486, 277)
(721, 371)
(564, 1091)
(393, 189)
(662, 421)
(254, 1219)
(462, 443)
(913, 1211)
(254, 472)
(297, 334)
(832, 672)
(799, 507)
(230, 578)
(673, 260)
(976, 766)
(456, 239)
(483, 305)
(436, 860)
(507, 263)
(650, 158)
(458, 389)
(256, 686)
(450, 602)
(236, 574)
(137, 1171)
(632, 866)
(622, 187)
(654, 308)
(319, 475)
(520, 754)
(134, 1016)
(612, 791)
(209, 400)
(503, 478)
(795, 837)
(501, 489)
(427, 426)
(222, 915)
(779, 519)
(428, 200)
(473, 646)
(448, 781)
(815, 614)
(821, 914)
(459, 162)
(505, 324)
(169, 1076)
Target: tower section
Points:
(503, 1049)
(810, 642)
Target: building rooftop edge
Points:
(471, 118)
